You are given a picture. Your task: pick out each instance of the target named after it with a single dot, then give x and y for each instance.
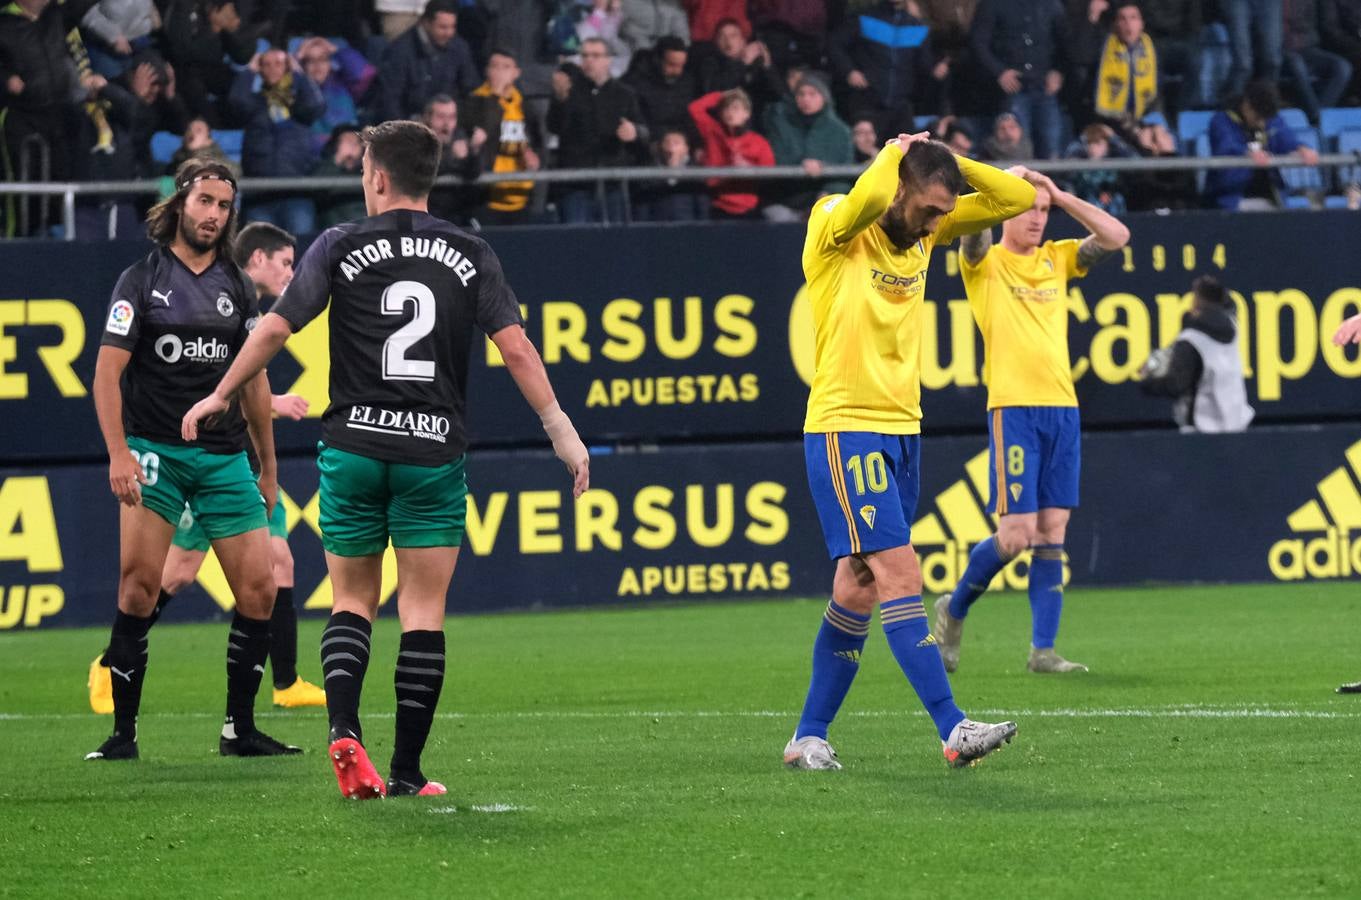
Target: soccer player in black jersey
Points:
(176, 321)
(264, 253)
(406, 290)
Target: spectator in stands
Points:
(1021, 44)
(1126, 75)
(645, 22)
(722, 119)
(602, 21)
(116, 29)
(1100, 187)
(37, 84)
(672, 199)
(794, 30)
(342, 75)
(504, 138)
(957, 136)
(135, 106)
(598, 123)
(1255, 41)
(951, 23)
(200, 36)
(277, 104)
(342, 155)
(732, 61)
(1251, 127)
(1157, 189)
(139, 103)
(198, 143)
(663, 84)
(459, 156)
(1203, 368)
(1306, 61)
(429, 58)
(1178, 31)
(518, 27)
(707, 16)
(865, 138)
(1341, 33)
(807, 132)
(884, 65)
(1008, 142)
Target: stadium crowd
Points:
(127, 89)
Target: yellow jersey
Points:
(867, 295)
(1021, 305)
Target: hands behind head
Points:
(905, 141)
(1038, 179)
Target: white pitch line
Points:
(1183, 711)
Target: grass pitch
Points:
(636, 753)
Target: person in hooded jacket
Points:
(806, 131)
(1203, 368)
(722, 119)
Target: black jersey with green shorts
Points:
(183, 330)
(407, 292)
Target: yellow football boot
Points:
(100, 684)
(299, 693)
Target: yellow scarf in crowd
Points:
(1124, 69)
(509, 196)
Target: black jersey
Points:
(183, 331)
(405, 290)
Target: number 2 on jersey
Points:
(396, 365)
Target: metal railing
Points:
(626, 176)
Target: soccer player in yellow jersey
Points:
(1019, 294)
(865, 260)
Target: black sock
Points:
(247, 647)
(283, 639)
(419, 677)
(161, 601)
(127, 657)
(344, 660)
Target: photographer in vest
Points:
(1203, 369)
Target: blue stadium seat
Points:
(921, 123)
(1295, 118)
(1297, 201)
(1334, 201)
(1191, 124)
(1332, 122)
(230, 142)
(1304, 178)
(163, 146)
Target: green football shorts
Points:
(191, 536)
(365, 501)
(218, 487)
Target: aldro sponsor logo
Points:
(944, 538)
(1324, 546)
(171, 348)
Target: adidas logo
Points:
(944, 538)
(848, 655)
(1331, 552)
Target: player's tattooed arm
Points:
(1090, 252)
(976, 246)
